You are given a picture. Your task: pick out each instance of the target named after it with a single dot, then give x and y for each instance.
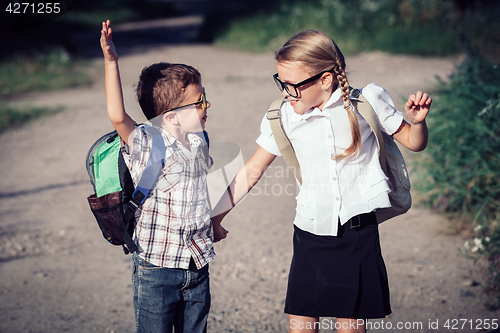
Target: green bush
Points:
(462, 160)
(36, 71)
(464, 141)
(11, 117)
(408, 26)
(50, 69)
(479, 23)
(486, 245)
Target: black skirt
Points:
(341, 276)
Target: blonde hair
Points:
(318, 52)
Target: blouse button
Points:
(334, 179)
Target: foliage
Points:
(10, 117)
(91, 13)
(52, 69)
(479, 25)
(464, 131)
(486, 245)
(462, 164)
(27, 72)
(408, 26)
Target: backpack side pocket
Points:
(108, 211)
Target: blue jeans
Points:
(165, 298)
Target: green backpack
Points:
(115, 199)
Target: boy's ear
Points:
(171, 117)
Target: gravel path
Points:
(58, 274)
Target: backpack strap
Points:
(285, 147)
(282, 141)
(206, 145)
(366, 111)
(149, 176)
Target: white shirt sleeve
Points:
(383, 105)
(266, 138)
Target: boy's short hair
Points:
(162, 87)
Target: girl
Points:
(337, 269)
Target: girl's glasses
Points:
(202, 101)
(291, 89)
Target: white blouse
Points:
(335, 190)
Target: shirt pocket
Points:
(171, 176)
(206, 167)
(305, 211)
(305, 204)
(200, 182)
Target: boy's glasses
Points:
(290, 88)
(202, 101)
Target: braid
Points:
(344, 86)
(355, 146)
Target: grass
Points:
(417, 27)
(48, 70)
(93, 18)
(13, 117)
(268, 35)
(461, 169)
(23, 73)
(118, 11)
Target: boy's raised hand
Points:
(107, 45)
(417, 107)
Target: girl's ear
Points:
(327, 81)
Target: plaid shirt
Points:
(173, 224)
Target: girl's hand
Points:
(417, 107)
(107, 45)
(219, 232)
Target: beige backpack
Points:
(391, 159)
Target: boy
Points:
(173, 230)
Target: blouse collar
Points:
(332, 101)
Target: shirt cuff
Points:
(393, 123)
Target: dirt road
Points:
(58, 274)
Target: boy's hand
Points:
(107, 45)
(219, 232)
(417, 107)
